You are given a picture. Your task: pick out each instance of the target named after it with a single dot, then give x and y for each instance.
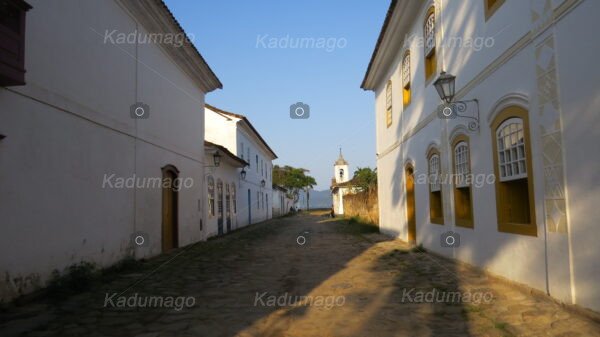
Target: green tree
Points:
(365, 178)
(293, 179)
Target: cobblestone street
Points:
(232, 278)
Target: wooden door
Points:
(410, 204)
(169, 209)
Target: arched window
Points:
(436, 212)
(227, 200)
(512, 166)
(406, 79)
(211, 195)
(233, 198)
(463, 204)
(388, 104)
(430, 44)
(220, 198)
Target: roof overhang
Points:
(155, 17)
(396, 26)
(230, 158)
(248, 126)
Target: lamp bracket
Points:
(461, 107)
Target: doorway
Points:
(410, 204)
(170, 237)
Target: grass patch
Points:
(355, 225)
(75, 278)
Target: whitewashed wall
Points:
(571, 263)
(70, 125)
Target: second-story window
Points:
(406, 79)
(256, 163)
(429, 45)
(242, 149)
(388, 104)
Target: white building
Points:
(282, 203)
(340, 184)
(531, 66)
(236, 133)
(81, 175)
(222, 182)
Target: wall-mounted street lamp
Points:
(217, 159)
(445, 86)
(263, 183)
(243, 174)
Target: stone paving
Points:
(353, 282)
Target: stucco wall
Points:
(70, 126)
(558, 262)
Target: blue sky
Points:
(262, 83)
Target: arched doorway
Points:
(410, 204)
(170, 236)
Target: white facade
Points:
(69, 128)
(222, 183)
(341, 173)
(235, 132)
(281, 201)
(541, 61)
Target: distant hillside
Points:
(318, 199)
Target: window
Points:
(262, 168)
(211, 196)
(248, 153)
(220, 198)
(227, 200)
(256, 163)
(12, 43)
(436, 212)
(430, 52)
(406, 79)
(515, 206)
(463, 204)
(491, 6)
(233, 198)
(388, 104)
(242, 149)
(257, 199)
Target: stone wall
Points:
(363, 205)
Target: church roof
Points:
(341, 160)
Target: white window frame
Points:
(210, 190)
(461, 163)
(430, 33)
(406, 70)
(511, 150)
(434, 173)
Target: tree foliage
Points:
(293, 179)
(365, 178)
